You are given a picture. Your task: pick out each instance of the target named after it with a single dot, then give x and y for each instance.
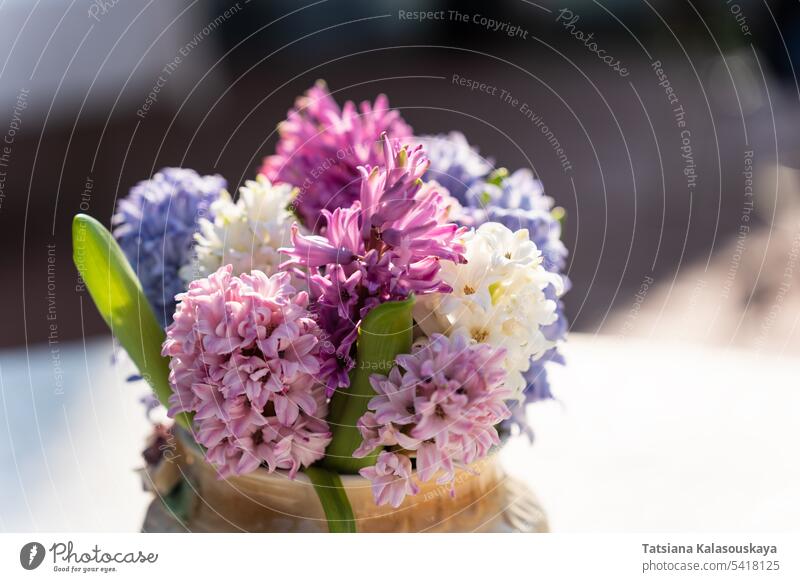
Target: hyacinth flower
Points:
(285, 437)
(387, 245)
(455, 164)
(440, 404)
(517, 201)
(321, 147)
(244, 355)
(155, 227)
(499, 297)
(246, 233)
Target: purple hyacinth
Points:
(384, 247)
(155, 226)
(455, 164)
(321, 147)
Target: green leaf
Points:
(384, 333)
(116, 292)
(334, 500)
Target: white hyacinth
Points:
(246, 233)
(498, 298)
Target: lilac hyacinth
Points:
(244, 354)
(155, 226)
(391, 478)
(321, 147)
(455, 164)
(441, 403)
(385, 246)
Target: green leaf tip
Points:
(119, 298)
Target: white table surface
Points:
(644, 437)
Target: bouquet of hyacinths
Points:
(373, 303)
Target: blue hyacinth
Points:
(155, 226)
(455, 164)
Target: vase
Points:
(486, 499)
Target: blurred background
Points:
(681, 188)
(82, 70)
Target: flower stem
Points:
(334, 500)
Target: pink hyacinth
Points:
(440, 404)
(244, 354)
(391, 479)
(384, 247)
(321, 147)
